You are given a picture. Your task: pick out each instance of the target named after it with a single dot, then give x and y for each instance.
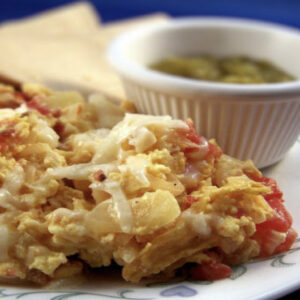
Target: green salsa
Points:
(231, 69)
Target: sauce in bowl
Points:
(230, 69)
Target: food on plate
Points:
(230, 69)
(83, 184)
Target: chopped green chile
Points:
(231, 69)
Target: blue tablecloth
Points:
(281, 11)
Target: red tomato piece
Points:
(188, 201)
(11, 273)
(59, 128)
(6, 134)
(281, 222)
(22, 96)
(265, 238)
(241, 212)
(192, 135)
(40, 108)
(210, 271)
(214, 150)
(3, 147)
(289, 241)
(57, 113)
(270, 182)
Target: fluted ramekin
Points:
(258, 121)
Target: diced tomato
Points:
(192, 135)
(270, 182)
(3, 147)
(188, 150)
(197, 140)
(56, 113)
(289, 241)
(59, 128)
(22, 96)
(210, 271)
(188, 201)
(4, 135)
(40, 108)
(7, 139)
(34, 104)
(214, 151)
(10, 273)
(7, 133)
(241, 212)
(281, 222)
(265, 238)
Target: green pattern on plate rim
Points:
(178, 288)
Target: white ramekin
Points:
(259, 122)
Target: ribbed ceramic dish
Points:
(259, 122)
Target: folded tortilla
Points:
(65, 49)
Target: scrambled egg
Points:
(77, 186)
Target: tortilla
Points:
(53, 50)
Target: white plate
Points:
(265, 279)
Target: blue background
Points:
(281, 11)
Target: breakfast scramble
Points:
(84, 183)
